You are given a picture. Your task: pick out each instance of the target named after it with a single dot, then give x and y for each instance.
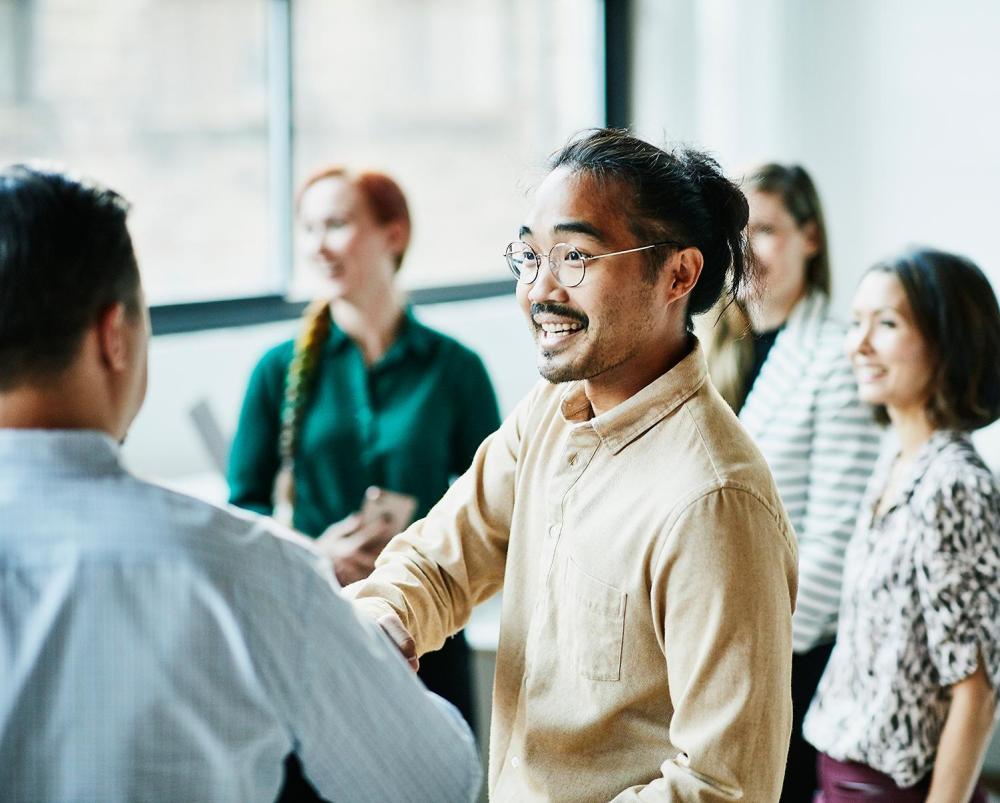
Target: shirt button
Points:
(553, 530)
(572, 459)
(515, 762)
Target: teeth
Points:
(559, 328)
(868, 374)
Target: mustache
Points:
(559, 309)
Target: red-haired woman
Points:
(366, 396)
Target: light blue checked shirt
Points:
(154, 647)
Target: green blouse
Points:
(410, 423)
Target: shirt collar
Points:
(413, 337)
(74, 450)
(622, 424)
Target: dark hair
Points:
(672, 195)
(65, 255)
(793, 185)
(956, 311)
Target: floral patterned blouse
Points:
(921, 598)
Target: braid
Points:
(302, 371)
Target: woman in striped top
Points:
(778, 359)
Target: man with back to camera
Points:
(648, 567)
(156, 647)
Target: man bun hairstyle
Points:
(680, 194)
(65, 256)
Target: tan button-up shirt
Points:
(649, 576)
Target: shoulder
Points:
(254, 547)
(272, 367)
(956, 474)
(728, 455)
(445, 347)
(277, 357)
(957, 501)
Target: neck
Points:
(769, 314)
(617, 385)
(913, 428)
(372, 323)
(43, 407)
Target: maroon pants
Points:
(847, 782)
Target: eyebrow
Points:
(877, 310)
(570, 227)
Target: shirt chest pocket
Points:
(594, 613)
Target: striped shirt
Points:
(155, 647)
(821, 444)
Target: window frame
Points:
(615, 62)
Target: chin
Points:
(871, 396)
(556, 371)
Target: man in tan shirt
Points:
(647, 564)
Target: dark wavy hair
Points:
(680, 194)
(955, 309)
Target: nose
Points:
(859, 339)
(545, 285)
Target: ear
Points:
(684, 272)
(397, 233)
(112, 337)
(813, 243)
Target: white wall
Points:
(215, 365)
(892, 105)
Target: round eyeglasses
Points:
(566, 262)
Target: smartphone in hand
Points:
(395, 510)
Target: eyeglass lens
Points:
(565, 262)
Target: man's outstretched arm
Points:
(432, 575)
(363, 726)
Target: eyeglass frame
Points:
(583, 259)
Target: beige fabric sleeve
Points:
(723, 592)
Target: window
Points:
(166, 102)
(458, 100)
(178, 106)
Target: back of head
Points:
(797, 192)
(956, 311)
(65, 255)
(679, 195)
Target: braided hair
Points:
(387, 204)
(302, 371)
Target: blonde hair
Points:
(725, 335)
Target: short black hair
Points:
(680, 194)
(65, 256)
(955, 309)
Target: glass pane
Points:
(167, 103)
(458, 100)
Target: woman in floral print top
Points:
(907, 704)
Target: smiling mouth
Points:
(868, 373)
(552, 335)
(559, 329)
(555, 325)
